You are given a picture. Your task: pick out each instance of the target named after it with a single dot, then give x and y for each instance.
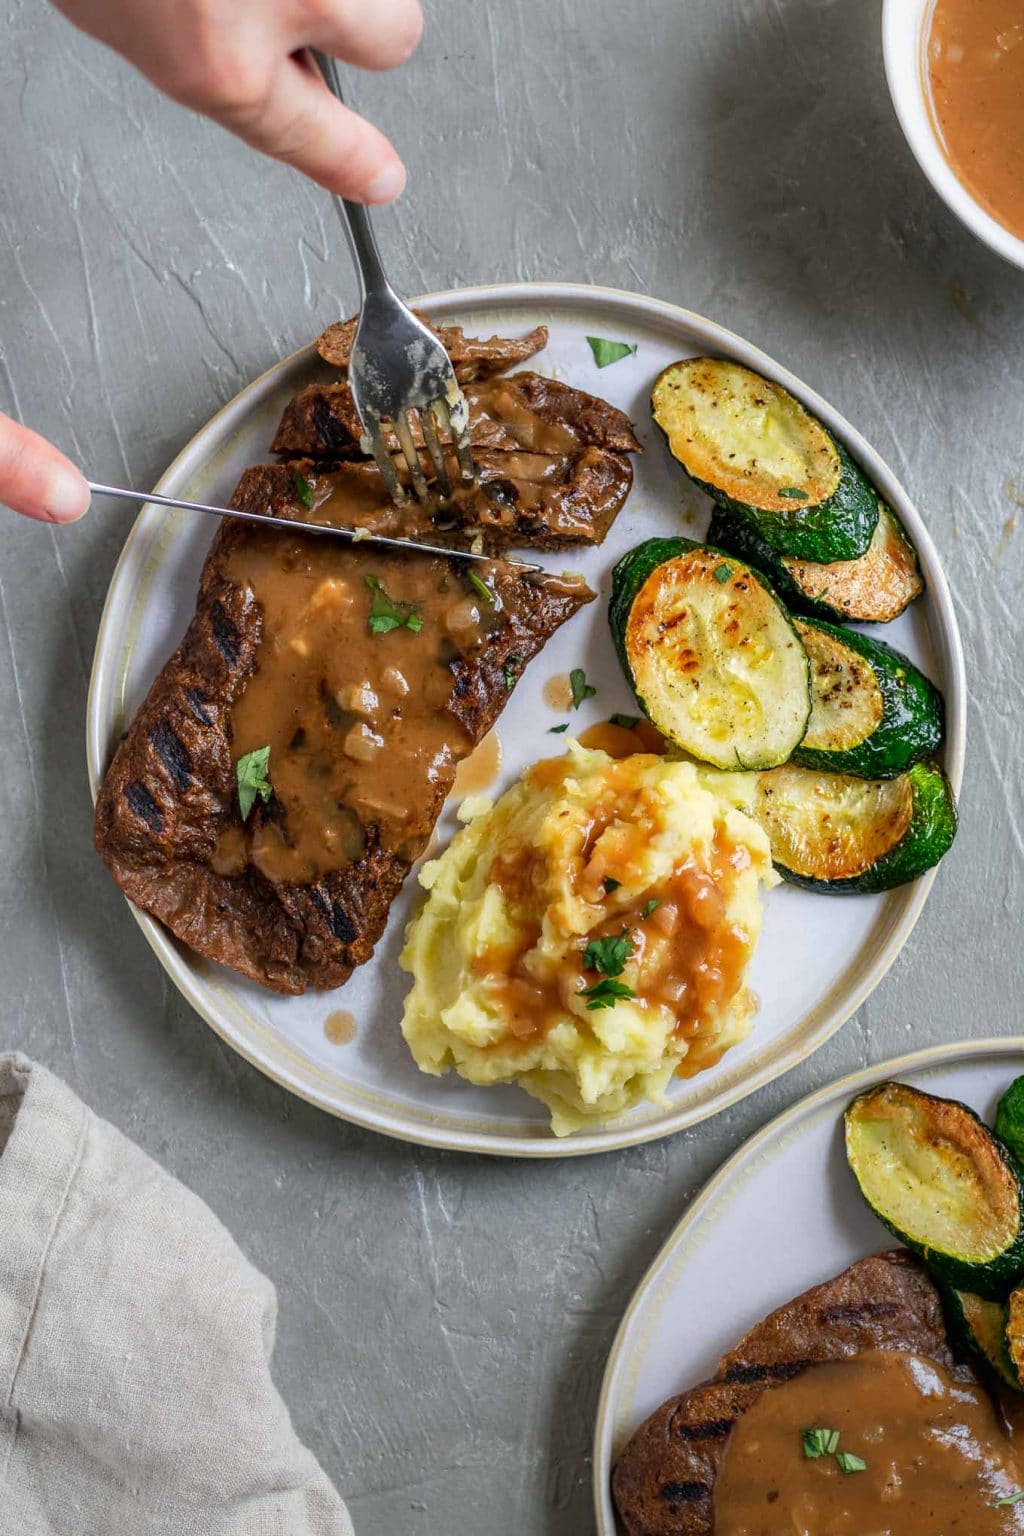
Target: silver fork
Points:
(398, 371)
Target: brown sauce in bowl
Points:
(976, 81)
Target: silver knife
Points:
(291, 525)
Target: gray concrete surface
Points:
(444, 1320)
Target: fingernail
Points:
(68, 497)
(387, 184)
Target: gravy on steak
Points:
(351, 716)
(936, 1459)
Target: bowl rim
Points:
(904, 29)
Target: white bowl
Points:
(905, 27)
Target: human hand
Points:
(242, 63)
(36, 478)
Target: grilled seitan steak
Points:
(663, 1483)
(365, 731)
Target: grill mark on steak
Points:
(685, 1493)
(883, 1302)
(172, 754)
(141, 804)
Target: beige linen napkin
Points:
(134, 1346)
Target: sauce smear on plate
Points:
(976, 76)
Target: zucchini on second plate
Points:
(874, 589)
(872, 712)
(936, 1176)
(712, 655)
(759, 454)
(843, 835)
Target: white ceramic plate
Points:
(818, 958)
(781, 1215)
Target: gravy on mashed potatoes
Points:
(587, 847)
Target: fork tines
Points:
(439, 428)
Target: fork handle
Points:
(355, 219)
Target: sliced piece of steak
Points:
(366, 729)
(543, 500)
(473, 357)
(520, 411)
(663, 1483)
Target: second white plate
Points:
(781, 1215)
(818, 958)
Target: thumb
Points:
(36, 479)
(301, 123)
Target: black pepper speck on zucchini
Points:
(938, 1178)
(844, 835)
(711, 654)
(760, 455)
(874, 589)
(873, 713)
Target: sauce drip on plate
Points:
(976, 76)
(935, 1457)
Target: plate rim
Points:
(443, 1135)
(780, 1126)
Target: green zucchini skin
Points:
(928, 838)
(992, 1280)
(979, 1325)
(911, 727)
(839, 528)
(738, 537)
(1010, 1119)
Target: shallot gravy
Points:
(351, 716)
(976, 79)
(936, 1459)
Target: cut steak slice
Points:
(518, 411)
(663, 1483)
(473, 357)
(297, 897)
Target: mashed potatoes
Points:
(588, 935)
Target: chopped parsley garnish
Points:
(556, 730)
(606, 351)
(385, 614)
(303, 489)
(512, 660)
(251, 777)
(722, 573)
(626, 721)
(606, 993)
(481, 588)
(793, 493)
(820, 1442)
(650, 906)
(1009, 1499)
(581, 689)
(609, 955)
(610, 884)
(848, 1462)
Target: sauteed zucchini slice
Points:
(936, 1176)
(751, 445)
(981, 1325)
(711, 653)
(1013, 1335)
(872, 590)
(872, 712)
(848, 836)
(1010, 1119)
